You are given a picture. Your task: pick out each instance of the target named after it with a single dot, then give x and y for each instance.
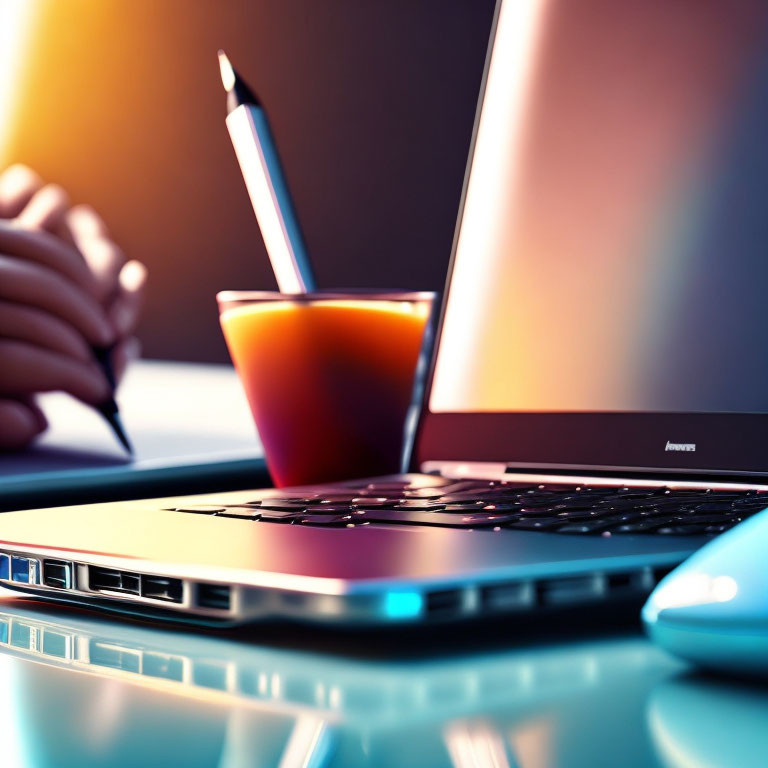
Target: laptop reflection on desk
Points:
(291, 708)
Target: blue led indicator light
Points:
(5, 567)
(20, 567)
(403, 605)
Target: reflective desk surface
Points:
(81, 690)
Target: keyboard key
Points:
(595, 525)
(328, 509)
(498, 506)
(201, 509)
(695, 519)
(278, 505)
(460, 509)
(423, 493)
(681, 530)
(244, 513)
(388, 486)
(278, 516)
(419, 505)
(375, 501)
(536, 523)
(325, 520)
(468, 499)
(717, 528)
(412, 517)
(643, 526)
(578, 515)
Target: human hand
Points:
(65, 287)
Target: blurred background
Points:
(371, 103)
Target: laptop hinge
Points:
(478, 470)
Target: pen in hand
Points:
(109, 409)
(69, 298)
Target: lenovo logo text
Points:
(680, 446)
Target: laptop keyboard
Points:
(565, 509)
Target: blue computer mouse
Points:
(713, 609)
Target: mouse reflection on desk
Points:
(695, 722)
(713, 609)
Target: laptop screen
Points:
(611, 254)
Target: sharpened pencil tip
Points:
(227, 73)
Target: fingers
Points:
(28, 369)
(46, 209)
(123, 355)
(105, 259)
(24, 282)
(86, 224)
(25, 323)
(125, 309)
(18, 185)
(48, 250)
(20, 423)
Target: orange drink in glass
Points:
(329, 377)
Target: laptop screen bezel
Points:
(724, 443)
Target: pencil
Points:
(263, 174)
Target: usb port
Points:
(23, 570)
(161, 588)
(5, 567)
(216, 596)
(109, 580)
(57, 573)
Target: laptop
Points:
(597, 400)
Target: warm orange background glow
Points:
(371, 106)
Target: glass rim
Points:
(250, 297)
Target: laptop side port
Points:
(217, 596)
(161, 588)
(57, 574)
(510, 596)
(24, 570)
(571, 589)
(444, 603)
(110, 580)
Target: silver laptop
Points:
(598, 396)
